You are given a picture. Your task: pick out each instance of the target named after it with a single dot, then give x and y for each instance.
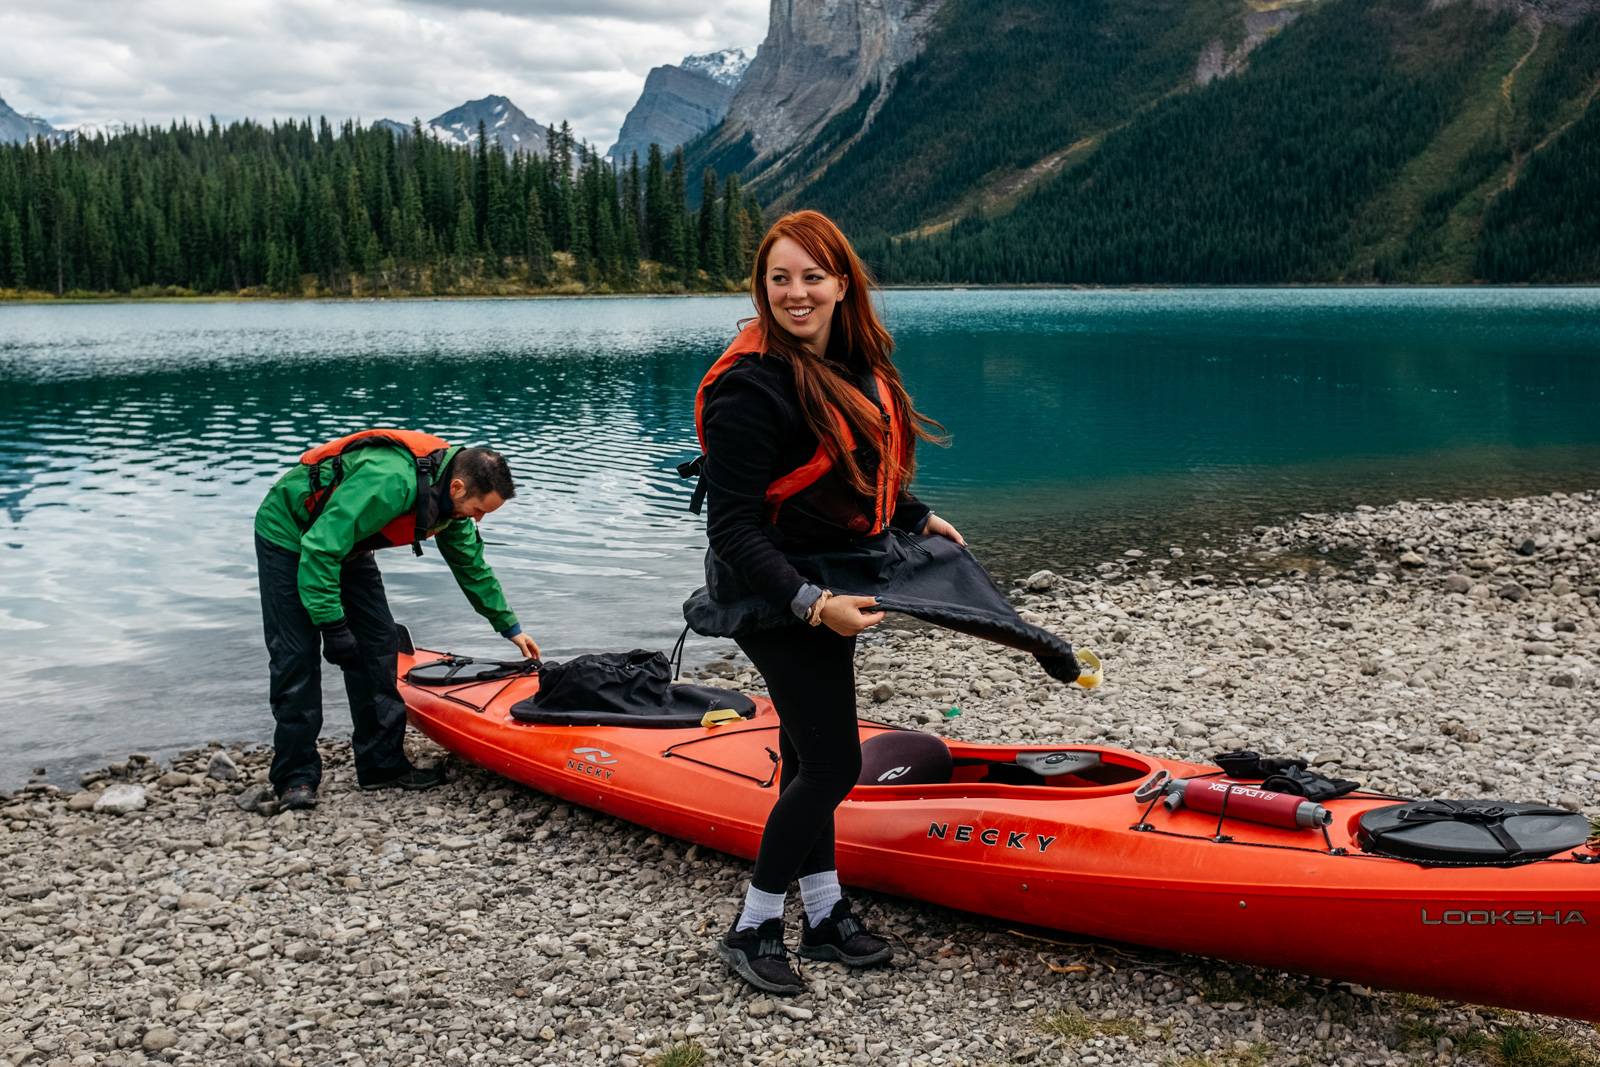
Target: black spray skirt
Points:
(930, 578)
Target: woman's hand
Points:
(849, 615)
(936, 525)
(526, 646)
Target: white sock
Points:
(758, 908)
(820, 892)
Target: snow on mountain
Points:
(503, 121)
(726, 66)
(680, 102)
(16, 128)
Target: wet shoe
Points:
(412, 778)
(842, 938)
(757, 955)
(298, 798)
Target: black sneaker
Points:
(299, 797)
(841, 937)
(758, 956)
(412, 778)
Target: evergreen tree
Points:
(680, 233)
(710, 228)
(480, 184)
(568, 217)
(632, 216)
(735, 229)
(358, 227)
(658, 241)
(14, 266)
(466, 242)
(755, 228)
(628, 223)
(538, 241)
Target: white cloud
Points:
(75, 61)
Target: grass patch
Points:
(1517, 1046)
(1513, 1046)
(684, 1054)
(1254, 1056)
(1076, 1026)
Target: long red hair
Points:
(856, 334)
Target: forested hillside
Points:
(1330, 141)
(1039, 78)
(302, 210)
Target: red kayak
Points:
(1090, 839)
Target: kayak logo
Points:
(990, 836)
(892, 773)
(592, 762)
(1506, 917)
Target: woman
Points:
(809, 441)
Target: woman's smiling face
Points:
(802, 294)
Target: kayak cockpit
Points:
(897, 762)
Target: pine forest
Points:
(302, 210)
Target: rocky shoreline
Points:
(1421, 647)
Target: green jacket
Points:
(379, 485)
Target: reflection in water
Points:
(136, 441)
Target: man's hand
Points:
(849, 615)
(936, 525)
(526, 646)
(339, 646)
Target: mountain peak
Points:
(505, 123)
(680, 102)
(16, 128)
(725, 67)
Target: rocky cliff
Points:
(817, 58)
(680, 102)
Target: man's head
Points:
(480, 481)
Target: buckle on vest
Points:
(695, 468)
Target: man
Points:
(315, 534)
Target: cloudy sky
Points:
(76, 61)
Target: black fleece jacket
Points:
(755, 432)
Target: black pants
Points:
(294, 648)
(810, 672)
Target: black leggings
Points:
(810, 672)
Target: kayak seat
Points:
(464, 670)
(904, 757)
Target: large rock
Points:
(258, 798)
(120, 799)
(222, 768)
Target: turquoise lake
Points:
(137, 439)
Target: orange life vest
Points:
(752, 341)
(409, 528)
